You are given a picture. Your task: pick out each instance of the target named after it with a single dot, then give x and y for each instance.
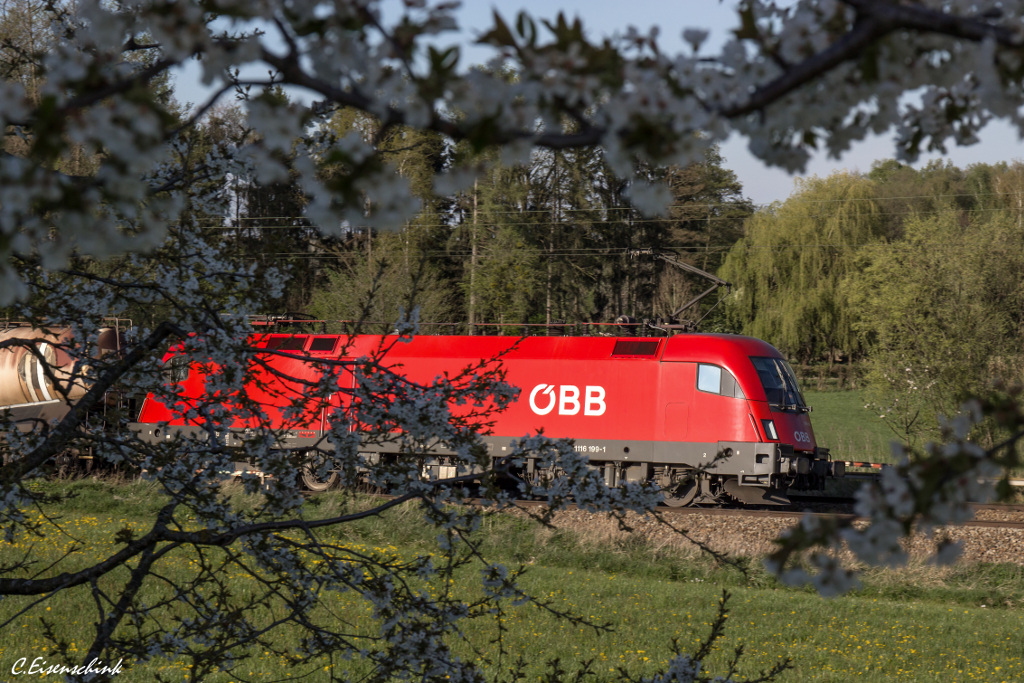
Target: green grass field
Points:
(923, 624)
(843, 424)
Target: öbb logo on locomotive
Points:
(568, 400)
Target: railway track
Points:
(775, 512)
(798, 514)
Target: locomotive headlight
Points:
(769, 429)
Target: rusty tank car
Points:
(42, 386)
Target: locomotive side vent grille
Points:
(636, 348)
(323, 343)
(286, 343)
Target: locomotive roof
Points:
(681, 347)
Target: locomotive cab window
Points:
(779, 383)
(715, 380)
(709, 378)
(176, 369)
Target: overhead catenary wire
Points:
(632, 221)
(932, 246)
(611, 251)
(704, 205)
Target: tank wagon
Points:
(642, 409)
(30, 390)
(41, 388)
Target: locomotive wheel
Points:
(309, 475)
(682, 494)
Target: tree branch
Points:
(876, 20)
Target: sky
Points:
(763, 185)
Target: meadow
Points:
(844, 424)
(962, 623)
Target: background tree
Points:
(913, 273)
(399, 276)
(790, 269)
(936, 311)
(25, 37)
(503, 274)
(370, 277)
(706, 218)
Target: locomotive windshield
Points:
(779, 382)
(176, 369)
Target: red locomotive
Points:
(642, 409)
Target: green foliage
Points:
(789, 270)
(535, 242)
(508, 275)
(373, 286)
(917, 273)
(937, 310)
(848, 426)
(413, 154)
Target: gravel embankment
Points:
(752, 536)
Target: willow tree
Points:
(789, 269)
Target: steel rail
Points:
(794, 514)
(760, 512)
